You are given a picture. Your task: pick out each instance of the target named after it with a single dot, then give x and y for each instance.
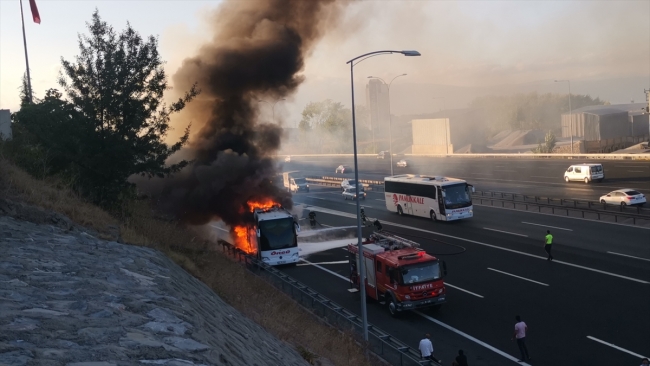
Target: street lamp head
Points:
(403, 75)
(411, 53)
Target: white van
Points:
(585, 173)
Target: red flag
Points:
(35, 15)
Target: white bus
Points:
(440, 198)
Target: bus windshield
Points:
(277, 234)
(457, 196)
(421, 272)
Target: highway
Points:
(590, 306)
(524, 176)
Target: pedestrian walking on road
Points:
(520, 334)
(426, 348)
(461, 359)
(547, 244)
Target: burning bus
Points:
(272, 237)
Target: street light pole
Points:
(570, 112)
(390, 121)
(273, 106)
(362, 274)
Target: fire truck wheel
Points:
(399, 210)
(392, 307)
(433, 216)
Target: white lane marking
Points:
(636, 171)
(311, 264)
(475, 340)
(505, 232)
(344, 214)
(325, 269)
(554, 227)
(458, 288)
(631, 166)
(523, 278)
(631, 256)
(615, 346)
(449, 327)
(542, 176)
(380, 200)
(504, 170)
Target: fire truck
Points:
(398, 273)
(274, 235)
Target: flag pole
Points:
(29, 79)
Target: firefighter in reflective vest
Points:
(548, 242)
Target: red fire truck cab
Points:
(399, 273)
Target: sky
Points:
(469, 48)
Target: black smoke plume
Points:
(257, 52)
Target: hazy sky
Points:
(468, 47)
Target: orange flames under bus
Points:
(240, 233)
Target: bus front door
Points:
(441, 203)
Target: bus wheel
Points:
(399, 210)
(433, 216)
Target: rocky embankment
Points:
(69, 298)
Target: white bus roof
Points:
(272, 214)
(424, 179)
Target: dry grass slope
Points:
(251, 295)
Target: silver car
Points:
(352, 194)
(624, 197)
(402, 163)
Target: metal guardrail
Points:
(587, 209)
(370, 185)
(380, 343)
(585, 213)
(569, 203)
(499, 156)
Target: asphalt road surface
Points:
(590, 306)
(526, 176)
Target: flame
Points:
(264, 203)
(240, 235)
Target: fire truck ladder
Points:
(389, 240)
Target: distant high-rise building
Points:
(377, 102)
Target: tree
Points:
(24, 92)
(327, 125)
(48, 136)
(548, 146)
(116, 85)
